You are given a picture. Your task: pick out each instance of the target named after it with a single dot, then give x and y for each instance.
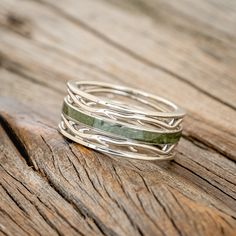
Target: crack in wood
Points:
(16, 141)
(209, 182)
(20, 147)
(11, 125)
(207, 146)
(18, 204)
(13, 220)
(168, 215)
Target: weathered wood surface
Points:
(182, 50)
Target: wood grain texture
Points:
(148, 199)
(29, 205)
(50, 186)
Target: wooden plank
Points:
(29, 205)
(204, 108)
(117, 64)
(148, 199)
(88, 193)
(50, 107)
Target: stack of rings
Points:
(121, 121)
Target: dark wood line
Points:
(211, 184)
(204, 145)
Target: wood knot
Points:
(19, 24)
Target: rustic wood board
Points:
(184, 51)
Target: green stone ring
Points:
(121, 121)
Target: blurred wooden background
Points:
(182, 50)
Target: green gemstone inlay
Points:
(120, 130)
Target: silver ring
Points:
(121, 121)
